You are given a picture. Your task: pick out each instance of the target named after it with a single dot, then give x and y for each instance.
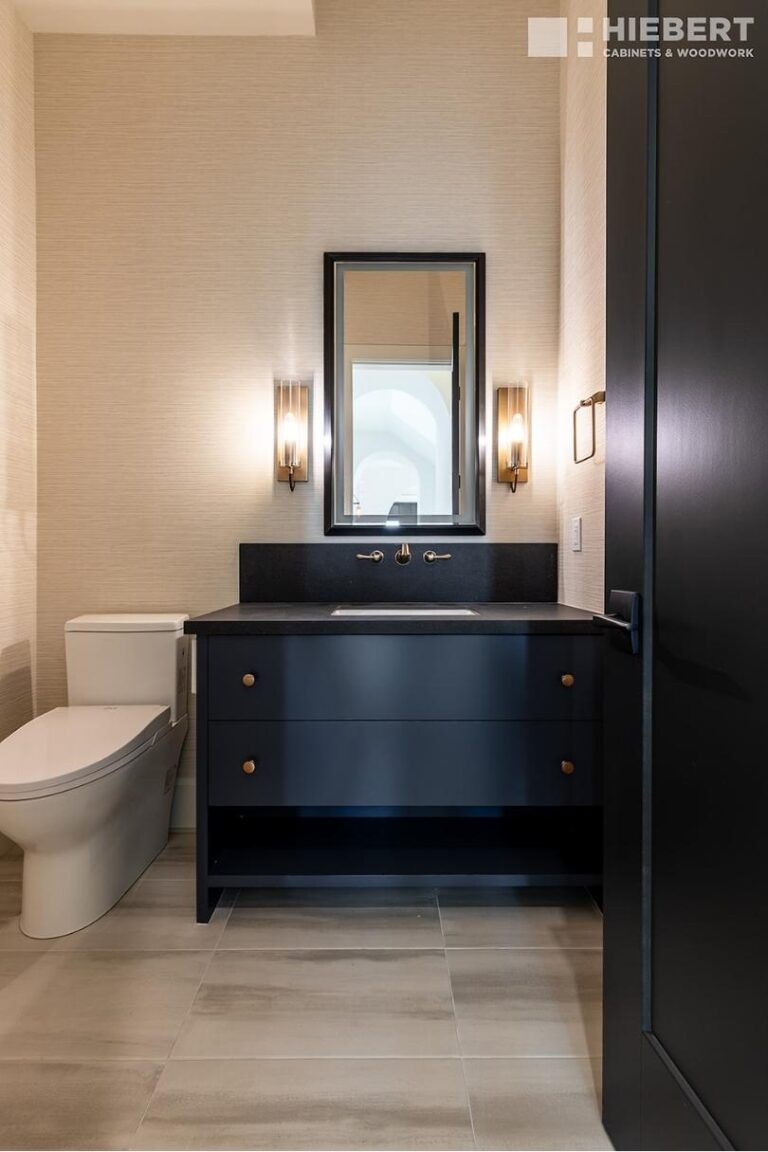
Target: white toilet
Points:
(86, 790)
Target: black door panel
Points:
(709, 995)
(686, 932)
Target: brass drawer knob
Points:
(249, 680)
(567, 767)
(567, 680)
(249, 767)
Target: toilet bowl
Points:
(86, 790)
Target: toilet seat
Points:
(68, 747)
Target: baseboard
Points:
(183, 811)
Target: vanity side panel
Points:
(206, 897)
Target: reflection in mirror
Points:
(401, 439)
(403, 346)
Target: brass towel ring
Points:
(591, 402)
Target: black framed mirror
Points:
(404, 393)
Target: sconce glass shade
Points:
(289, 454)
(512, 431)
(516, 439)
(291, 432)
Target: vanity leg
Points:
(207, 899)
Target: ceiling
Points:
(171, 17)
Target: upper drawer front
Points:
(404, 678)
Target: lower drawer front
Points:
(451, 763)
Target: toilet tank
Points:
(128, 658)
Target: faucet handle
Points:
(375, 557)
(431, 557)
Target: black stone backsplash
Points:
(320, 573)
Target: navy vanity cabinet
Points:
(367, 751)
(403, 721)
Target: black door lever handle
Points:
(614, 621)
(624, 614)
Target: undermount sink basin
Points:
(401, 610)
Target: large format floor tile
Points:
(536, 1104)
(176, 861)
(325, 920)
(155, 914)
(321, 1003)
(11, 936)
(338, 897)
(95, 1005)
(303, 1019)
(314, 1104)
(536, 1002)
(514, 920)
(547, 896)
(66, 1105)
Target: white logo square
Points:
(547, 36)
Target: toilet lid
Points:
(68, 745)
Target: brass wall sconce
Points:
(591, 402)
(512, 432)
(291, 431)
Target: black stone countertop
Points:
(316, 619)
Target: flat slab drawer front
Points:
(403, 763)
(404, 678)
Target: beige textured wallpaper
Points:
(581, 488)
(187, 190)
(17, 371)
(17, 374)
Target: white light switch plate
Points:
(576, 534)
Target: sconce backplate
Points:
(508, 401)
(301, 405)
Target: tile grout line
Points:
(456, 1026)
(594, 903)
(358, 1056)
(182, 1022)
(94, 951)
(146, 1108)
(386, 948)
(172, 1045)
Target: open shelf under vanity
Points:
(287, 848)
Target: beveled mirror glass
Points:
(404, 389)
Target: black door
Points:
(686, 1034)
